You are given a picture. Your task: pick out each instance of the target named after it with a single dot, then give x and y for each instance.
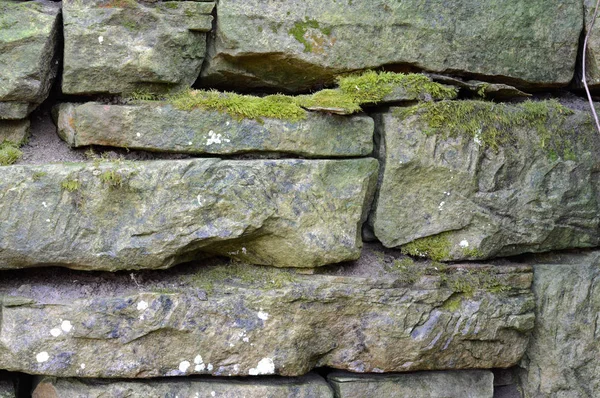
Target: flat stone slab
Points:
(297, 45)
(158, 126)
(28, 60)
(474, 180)
(233, 319)
(563, 357)
(124, 46)
(15, 131)
(309, 386)
(135, 215)
(456, 384)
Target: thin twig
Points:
(584, 79)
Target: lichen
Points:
(9, 153)
(436, 247)
(298, 31)
(469, 281)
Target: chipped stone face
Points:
(467, 383)
(136, 215)
(123, 46)
(536, 192)
(15, 131)
(28, 60)
(563, 356)
(160, 127)
(309, 386)
(300, 45)
(206, 319)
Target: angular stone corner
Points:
(134, 215)
(234, 319)
(563, 357)
(15, 131)
(465, 383)
(123, 46)
(301, 45)
(474, 180)
(161, 127)
(309, 386)
(28, 56)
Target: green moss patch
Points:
(298, 31)
(9, 153)
(435, 247)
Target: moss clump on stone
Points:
(9, 153)
(435, 247)
(70, 185)
(112, 178)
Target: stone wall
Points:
(310, 199)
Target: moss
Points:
(453, 303)
(492, 124)
(38, 175)
(407, 270)
(472, 252)
(435, 247)
(118, 4)
(173, 5)
(298, 31)
(112, 178)
(70, 185)
(9, 153)
(469, 281)
(333, 99)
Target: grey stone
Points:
(122, 46)
(15, 131)
(134, 215)
(233, 319)
(447, 384)
(13, 110)
(160, 127)
(298, 45)
(309, 386)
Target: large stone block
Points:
(297, 45)
(563, 357)
(161, 127)
(233, 319)
(134, 215)
(473, 180)
(309, 386)
(447, 384)
(28, 57)
(117, 46)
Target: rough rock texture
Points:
(236, 319)
(14, 130)
(160, 127)
(562, 359)
(444, 180)
(448, 384)
(593, 46)
(7, 387)
(28, 60)
(300, 44)
(133, 215)
(309, 386)
(117, 46)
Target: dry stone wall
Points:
(334, 199)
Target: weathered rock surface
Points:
(160, 127)
(299, 45)
(7, 387)
(28, 60)
(133, 215)
(235, 319)
(445, 181)
(15, 131)
(448, 384)
(593, 47)
(117, 46)
(309, 386)
(563, 357)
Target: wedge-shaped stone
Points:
(297, 45)
(563, 357)
(117, 46)
(447, 384)
(160, 127)
(28, 60)
(237, 320)
(473, 180)
(134, 215)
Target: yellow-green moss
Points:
(453, 303)
(469, 281)
(112, 178)
(407, 271)
(435, 247)
(70, 185)
(298, 31)
(9, 153)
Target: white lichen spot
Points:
(100, 39)
(55, 332)
(244, 250)
(189, 142)
(44, 204)
(213, 138)
(142, 306)
(47, 220)
(236, 368)
(263, 315)
(66, 326)
(82, 366)
(246, 339)
(42, 357)
(198, 359)
(477, 138)
(184, 366)
(230, 344)
(464, 243)
(227, 123)
(441, 206)
(138, 135)
(209, 367)
(265, 366)
(199, 368)
(212, 393)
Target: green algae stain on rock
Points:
(301, 28)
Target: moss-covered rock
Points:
(233, 319)
(28, 57)
(14, 131)
(474, 179)
(298, 45)
(133, 215)
(117, 46)
(158, 126)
